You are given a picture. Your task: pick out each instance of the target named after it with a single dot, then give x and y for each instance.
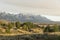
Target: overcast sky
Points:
(42, 7)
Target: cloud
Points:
(44, 7)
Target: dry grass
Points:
(54, 33)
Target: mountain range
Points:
(24, 18)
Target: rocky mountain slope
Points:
(24, 18)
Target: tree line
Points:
(28, 26)
(17, 25)
(54, 28)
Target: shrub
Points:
(48, 29)
(18, 25)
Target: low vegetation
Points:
(17, 27)
(34, 31)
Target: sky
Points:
(47, 8)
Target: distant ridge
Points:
(24, 18)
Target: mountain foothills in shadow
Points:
(24, 18)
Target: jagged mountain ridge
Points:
(24, 18)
